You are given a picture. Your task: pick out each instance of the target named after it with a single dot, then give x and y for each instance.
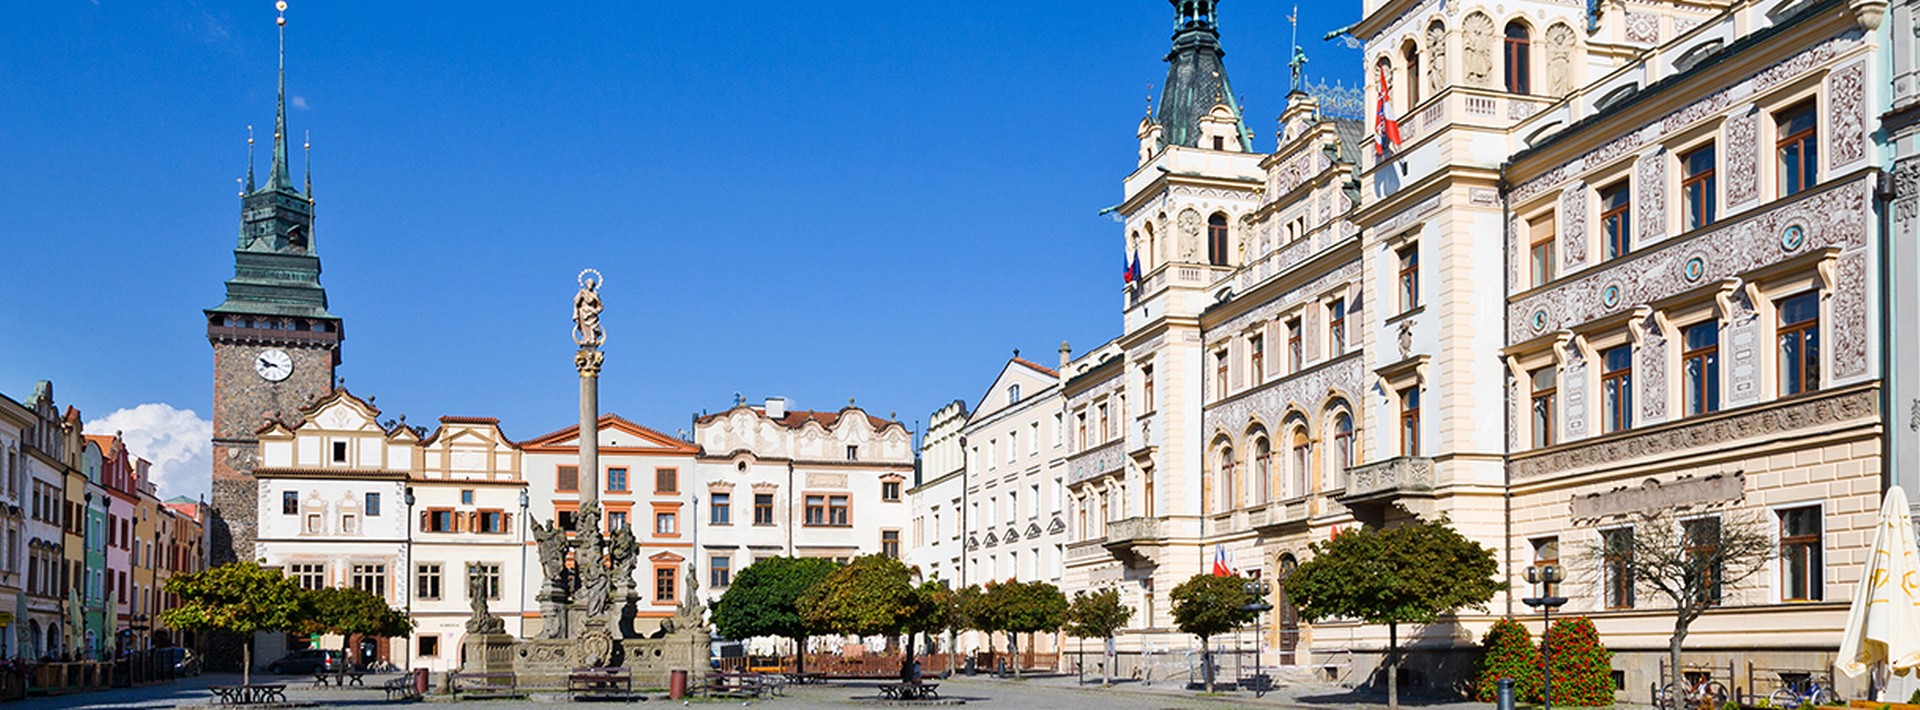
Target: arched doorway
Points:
(1288, 615)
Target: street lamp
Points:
(524, 576)
(407, 495)
(1259, 590)
(1546, 576)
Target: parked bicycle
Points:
(1696, 689)
(1797, 689)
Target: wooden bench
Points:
(600, 684)
(910, 691)
(249, 694)
(484, 686)
(734, 686)
(402, 686)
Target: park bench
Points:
(910, 691)
(729, 685)
(485, 686)
(600, 684)
(353, 676)
(249, 694)
(401, 687)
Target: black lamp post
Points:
(1546, 576)
(1259, 590)
(406, 654)
(524, 574)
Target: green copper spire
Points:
(249, 159)
(1196, 76)
(279, 176)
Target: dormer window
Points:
(1219, 143)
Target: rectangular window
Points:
(839, 511)
(763, 509)
(290, 502)
(720, 572)
(373, 504)
(466, 497)
(1697, 188)
(1616, 220)
(1256, 359)
(666, 523)
(493, 521)
(339, 452)
(1146, 387)
(816, 512)
(665, 584)
(567, 520)
(853, 453)
(1220, 374)
(1337, 328)
(616, 519)
(1546, 552)
(890, 490)
(1080, 430)
(439, 521)
(1545, 383)
(1797, 128)
(1800, 559)
(1617, 567)
(1700, 368)
(371, 578)
(426, 580)
(1703, 557)
(309, 576)
(1013, 447)
(1410, 421)
(1540, 249)
(1409, 277)
(1616, 389)
(890, 544)
(1296, 354)
(666, 480)
(429, 646)
(720, 509)
(567, 479)
(617, 479)
(1033, 438)
(483, 578)
(1799, 344)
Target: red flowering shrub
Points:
(1582, 666)
(1510, 653)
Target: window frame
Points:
(1699, 191)
(719, 508)
(1805, 331)
(1540, 249)
(766, 506)
(1408, 280)
(1806, 141)
(1410, 421)
(1517, 51)
(1814, 547)
(1616, 219)
(1699, 393)
(1218, 251)
(1296, 345)
(1256, 359)
(1616, 414)
(1337, 326)
(1543, 405)
(1714, 588)
(1616, 569)
(666, 480)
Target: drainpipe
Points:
(789, 507)
(1889, 372)
(1506, 456)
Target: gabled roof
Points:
(568, 438)
(794, 419)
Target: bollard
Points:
(1504, 696)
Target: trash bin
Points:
(677, 685)
(970, 670)
(420, 682)
(1503, 700)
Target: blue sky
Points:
(877, 200)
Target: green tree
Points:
(764, 600)
(1097, 616)
(350, 612)
(1026, 608)
(935, 609)
(1507, 652)
(1582, 666)
(1207, 605)
(1410, 574)
(872, 596)
(238, 597)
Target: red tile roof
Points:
(1037, 366)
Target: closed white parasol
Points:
(1883, 627)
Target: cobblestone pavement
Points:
(1030, 694)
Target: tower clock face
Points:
(273, 365)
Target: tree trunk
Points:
(1676, 679)
(1206, 661)
(1393, 666)
(246, 659)
(1013, 650)
(1106, 676)
(799, 654)
(905, 673)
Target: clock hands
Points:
(268, 364)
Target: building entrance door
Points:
(1289, 616)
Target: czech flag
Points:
(1132, 270)
(1220, 567)
(1384, 129)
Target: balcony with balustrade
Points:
(1404, 482)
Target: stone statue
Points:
(691, 614)
(553, 554)
(586, 311)
(482, 621)
(1559, 59)
(1478, 36)
(1189, 235)
(625, 552)
(1436, 59)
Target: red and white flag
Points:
(1220, 566)
(1384, 129)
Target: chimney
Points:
(776, 407)
(1066, 354)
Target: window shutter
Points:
(425, 526)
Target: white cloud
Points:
(300, 102)
(177, 441)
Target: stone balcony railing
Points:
(1128, 532)
(1095, 462)
(1395, 476)
(1281, 513)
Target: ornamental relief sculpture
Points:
(1832, 218)
(1846, 112)
(1477, 33)
(1743, 341)
(1189, 234)
(1437, 64)
(1650, 182)
(1559, 59)
(1340, 379)
(1743, 156)
(1573, 229)
(1906, 191)
(1574, 385)
(1849, 301)
(1653, 365)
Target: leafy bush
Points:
(1510, 653)
(1582, 666)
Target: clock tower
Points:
(275, 345)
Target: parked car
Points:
(311, 660)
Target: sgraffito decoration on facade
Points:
(1339, 379)
(1653, 363)
(1846, 113)
(1820, 412)
(1573, 225)
(1650, 184)
(1653, 495)
(1743, 157)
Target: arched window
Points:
(1262, 469)
(1342, 450)
(1411, 53)
(1519, 78)
(1302, 464)
(1153, 250)
(1217, 239)
(1227, 478)
(1383, 73)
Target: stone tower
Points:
(275, 345)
